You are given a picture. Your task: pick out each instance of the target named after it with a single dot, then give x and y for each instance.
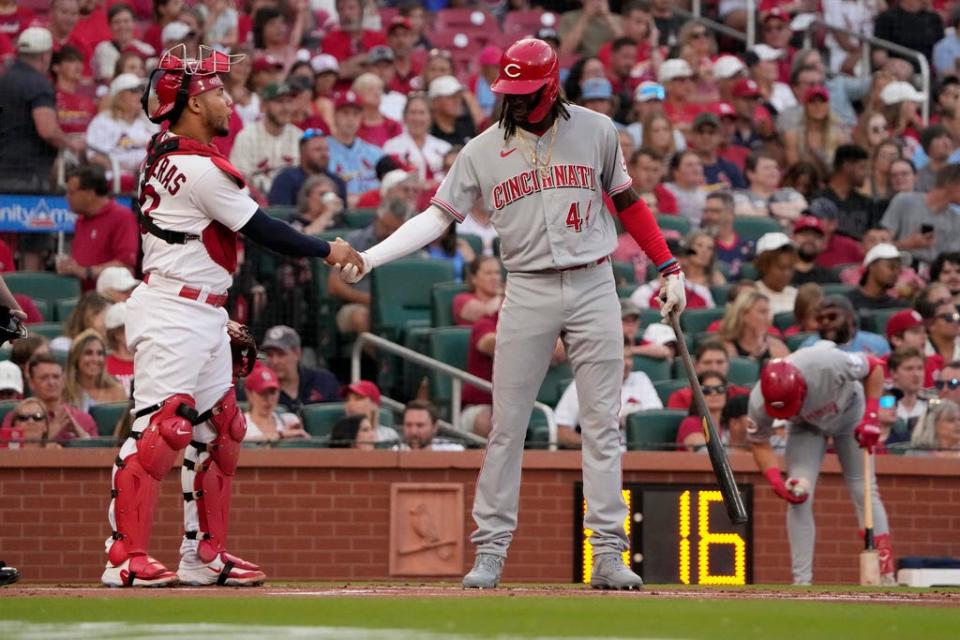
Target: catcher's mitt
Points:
(243, 347)
(11, 326)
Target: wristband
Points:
(773, 477)
(872, 408)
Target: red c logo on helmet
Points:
(512, 70)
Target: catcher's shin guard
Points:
(888, 567)
(207, 480)
(143, 461)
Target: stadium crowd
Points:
(800, 186)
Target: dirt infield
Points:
(931, 597)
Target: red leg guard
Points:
(885, 552)
(136, 485)
(214, 477)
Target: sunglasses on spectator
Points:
(309, 134)
(710, 389)
(949, 317)
(23, 417)
(952, 384)
(828, 317)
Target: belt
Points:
(184, 291)
(578, 267)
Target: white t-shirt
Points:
(782, 97)
(125, 141)
(281, 421)
(780, 301)
(392, 104)
(636, 394)
(260, 156)
(435, 445)
(191, 191)
(485, 232)
(428, 161)
(852, 15)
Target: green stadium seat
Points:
(675, 223)
(41, 285)
(281, 211)
(475, 242)
(743, 371)
(794, 341)
(784, 320)
(441, 303)
(655, 369)
(665, 388)
(108, 415)
(48, 330)
(318, 419)
(654, 430)
(751, 228)
(648, 317)
(876, 320)
(6, 407)
(625, 290)
(5, 353)
(402, 291)
(719, 294)
(90, 443)
(748, 272)
(624, 273)
(549, 390)
(360, 218)
(62, 309)
(448, 345)
(697, 320)
(302, 443)
(538, 431)
(45, 307)
(835, 288)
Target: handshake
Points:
(351, 266)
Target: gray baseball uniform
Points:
(833, 407)
(555, 235)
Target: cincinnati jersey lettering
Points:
(528, 182)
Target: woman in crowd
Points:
(453, 249)
(582, 69)
(484, 293)
(318, 206)
(90, 313)
(164, 12)
(871, 130)
(701, 264)
(246, 102)
(745, 329)
(806, 178)
(86, 381)
(658, 135)
(375, 128)
(690, 435)
(698, 47)
(326, 70)
(29, 427)
(353, 432)
(776, 257)
(943, 329)
(222, 23)
(415, 147)
(938, 434)
(809, 297)
(272, 35)
(818, 135)
(123, 37)
(439, 63)
(264, 422)
(882, 156)
(121, 133)
(75, 107)
(902, 111)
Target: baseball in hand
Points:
(798, 486)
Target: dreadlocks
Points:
(509, 123)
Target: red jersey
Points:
(13, 23)
(342, 46)
(122, 370)
(110, 234)
(379, 134)
(840, 250)
(75, 111)
(683, 113)
(91, 31)
(478, 363)
(6, 258)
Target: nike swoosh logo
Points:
(182, 433)
(504, 154)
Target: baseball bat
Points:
(718, 455)
(869, 559)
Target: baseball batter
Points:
(829, 396)
(542, 171)
(192, 204)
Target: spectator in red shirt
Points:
(61, 21)
(123, 38)
(401, 38)
(92, 27)
(272, 35)
(350, 43)
(13, 18)
(75, 109)
(906, 329)
(775, 32)
(637, 24)
(164, 12)
(375, 128)
(677, 78)
(485, 291)
(840, 249)
(478, 403)
(106, 233)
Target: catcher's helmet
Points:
(525, 67)
(783, 389)
(177, 78)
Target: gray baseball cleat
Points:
(609, 572)
(485, 573)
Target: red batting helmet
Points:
(783, 389)
(181, 78)
(525, 67)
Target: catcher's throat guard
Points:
(178, 77)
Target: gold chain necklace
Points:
(544, 166)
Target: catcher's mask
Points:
(178, 78)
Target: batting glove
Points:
(350, 274)
(867, 432)
(780, 488)
(673, 294)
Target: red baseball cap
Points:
(266, 63)
(363, 388)
(726, 110)
(347, 99)
(745, 88)
(816, 92)
(399, 22)
(903, 320)
(805, 223)
(261, 379)
(776, 13)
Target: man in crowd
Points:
(906, 329)
(676, 76)
(646, 168)
(838, 249)
(452, 121)
(881, 270)
(271, 144)
(351, 158)
(314, 161)
(420, 429)
(63, 17)
(809, 237)
(583, 31)
(11, 382)
(937, 144)
(299, 385)
(706, 143)
(106, 233)
(849, 172)
(729, 248)
(402, 39)
(948, 384)
(923, 223)
(45, 376)
(350, 43)
(31, 135)
(837, 322)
